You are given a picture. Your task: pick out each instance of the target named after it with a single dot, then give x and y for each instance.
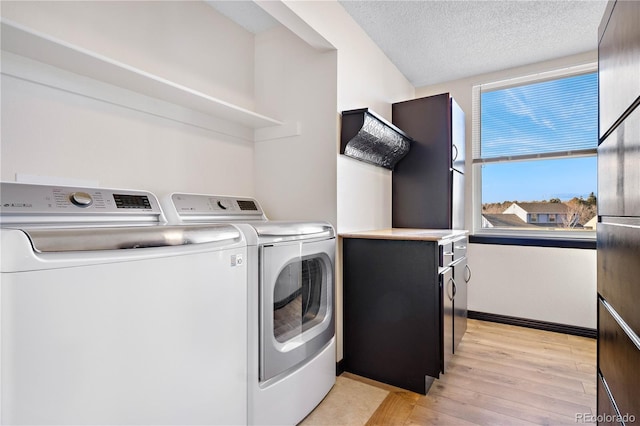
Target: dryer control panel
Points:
(205, 208)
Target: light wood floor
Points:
(502, 375)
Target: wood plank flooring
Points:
(502, 375)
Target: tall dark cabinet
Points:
(618, 229)
(428, 193)
(428, 184)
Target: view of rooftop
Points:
(576, 213)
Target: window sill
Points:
(574, 243)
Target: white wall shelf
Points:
(41, 47)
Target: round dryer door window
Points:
(297, 303)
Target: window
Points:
(534, 154)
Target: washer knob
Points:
(81, 199)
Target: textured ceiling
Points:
(433, 41)
(436, 41)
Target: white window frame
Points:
(476, 170)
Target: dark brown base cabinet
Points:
(401, 319)
(461, 276)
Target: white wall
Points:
(296, 176)
(541, 283)
(185, 42)
(366, 78)
(546, 284)
(50, 132)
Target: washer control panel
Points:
(81, 199)
(28, 200)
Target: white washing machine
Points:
(110, 317)
(292, 360)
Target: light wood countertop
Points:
(407, 234)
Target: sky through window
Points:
(551, 116)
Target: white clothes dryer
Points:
(292, 360)
(111, 317)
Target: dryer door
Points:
(296, 299)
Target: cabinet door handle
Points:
(451, 294)
(467, 278)
(454, 157)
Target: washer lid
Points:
(287, 229)
(118, 238)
